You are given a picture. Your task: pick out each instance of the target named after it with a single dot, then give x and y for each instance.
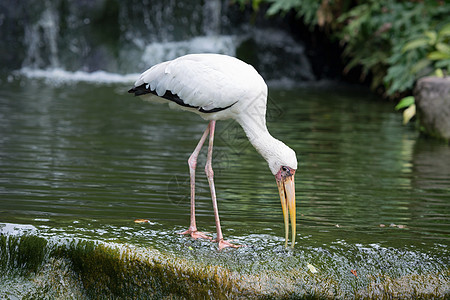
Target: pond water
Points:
(80, 160)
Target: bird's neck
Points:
(259, 136)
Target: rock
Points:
(432, 97)
(60, 267)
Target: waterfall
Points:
(125, 37)
(41, 40)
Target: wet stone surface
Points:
(74, 268)
(432, 96)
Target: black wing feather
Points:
(143, 89)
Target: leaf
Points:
(275, 8)
(256, 5)
(409, 113)
(445, 31)
(312, 268)
(414, 44)
(141, 221)
(281, 6)
(421, 64)
(439, 73)
(405, 102)
(445, 48)
(443, 64)
(437, 55)
(432, 35)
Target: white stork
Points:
(219, 87)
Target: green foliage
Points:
(395, 41)
(388, 39)
(306, 9)
(437, 41)
(405, 102)
(410, 105)
(426, 53)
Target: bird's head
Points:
(286, 188)
(283, 165)
(282, 162)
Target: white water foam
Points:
(16, 229)
(155, 53)
(61, 76)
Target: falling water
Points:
(122, 37)
(41, 40)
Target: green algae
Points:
(56, 280)
(23, 254)
(414, 286)
(125, 271)
(84, 269)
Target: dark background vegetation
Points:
(384, 43)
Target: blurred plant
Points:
(376, 34)
(365, 31)
(427, 53)
(437, 46)
(306, 9)
(410, 111)
(391, 40)
(313, 12)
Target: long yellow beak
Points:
(286, 188)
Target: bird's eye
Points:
(284, 168)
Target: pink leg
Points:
(210, 174)
(192, 162)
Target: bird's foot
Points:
(196, 234)
(226, 244)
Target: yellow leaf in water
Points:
(312, 268)
(409, 113)
(141, 221)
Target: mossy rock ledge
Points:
(432, 97)
(81, 269)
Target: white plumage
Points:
(205, 80)
(219, 87)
